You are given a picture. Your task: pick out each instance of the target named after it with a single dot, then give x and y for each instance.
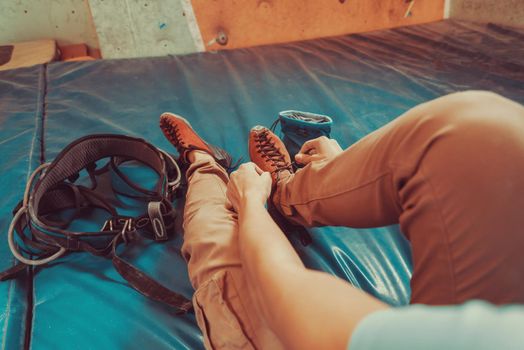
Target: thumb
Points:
(267, 177)
(258, 170)
(303, 158)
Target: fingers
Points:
(249, 181)
(258, 170)
(250, 166)
(309, 145)
(267, 177)
(229, 206)
(303, 158)
(336, 145)
(318, 149)
(315, 145)
(230, 195)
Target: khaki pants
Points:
(224, 308)
(450, 172)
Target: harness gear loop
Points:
(16, 253)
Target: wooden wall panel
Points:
(259, 22)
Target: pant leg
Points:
(224, 309)
(451, 172)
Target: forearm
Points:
(306, 309)
(264, 251)
(263, 240)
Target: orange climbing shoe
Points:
(268, 152)
(180, 133)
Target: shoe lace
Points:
(175, 135)
(266, 147)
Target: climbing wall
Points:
(141, 28)
(260, 22)
(145, 28)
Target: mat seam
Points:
(30, 289)
(8, 311)
(30, 158)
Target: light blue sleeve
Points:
(474, 325)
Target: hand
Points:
(248, 182)
(318, 149)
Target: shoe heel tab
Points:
(258, 128)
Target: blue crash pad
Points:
(362, 81)
(21, 105)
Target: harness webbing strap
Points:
(148, 286)
(55, 191)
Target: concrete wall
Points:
(67, 21)
(142, 28)
(509, 12)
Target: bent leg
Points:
(449, 171)
(223, 303)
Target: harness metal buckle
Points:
(155, 211)
(108, 225)
(127, 229)
(124, 224)
(174, 183)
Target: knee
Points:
(479, 122)
(474, 96)
(477, 110)
(476, 102)
(468, 118)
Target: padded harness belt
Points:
(55, 191)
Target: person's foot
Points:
(268, 152)
(179, 132)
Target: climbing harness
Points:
(54, 198)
